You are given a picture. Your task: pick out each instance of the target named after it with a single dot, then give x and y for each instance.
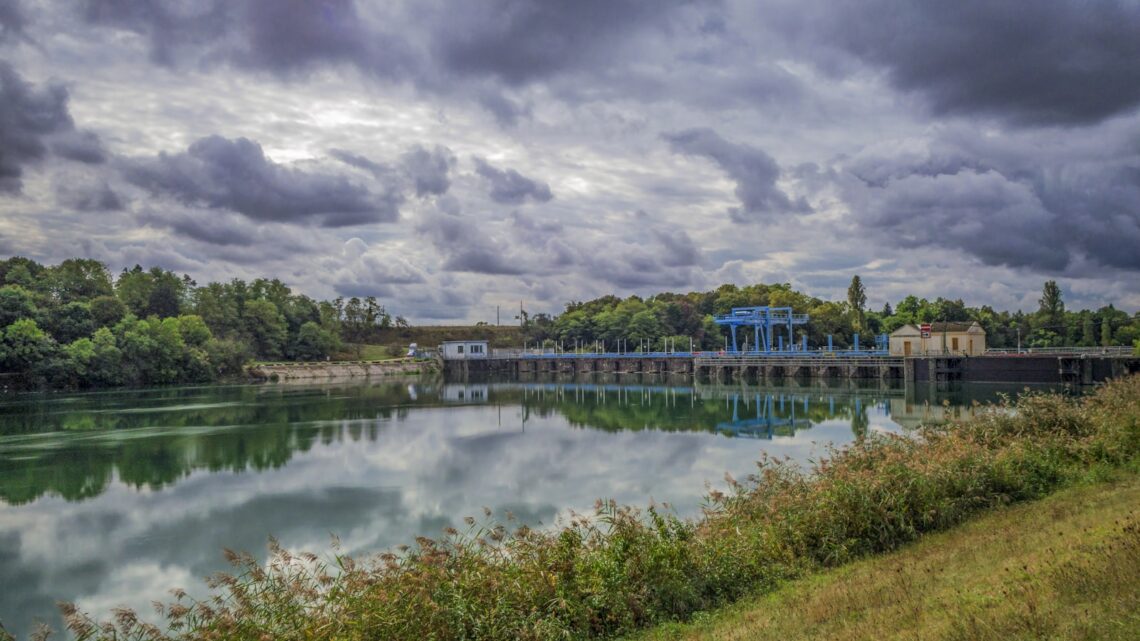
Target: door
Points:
(954, 344)
(971, 344)
(906, 348)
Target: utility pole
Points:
(496, 315)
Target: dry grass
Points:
(1065, 567)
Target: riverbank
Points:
(1064, 567)
(334, 370)
(623, 570)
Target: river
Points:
(113, 498)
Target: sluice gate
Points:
(710, 366)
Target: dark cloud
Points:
(219, 173)
(379, 170)
(519, 41)
(509, 187)
(982, 214)
(507, 112)
(281, 36)
(1050, 63)
(468, 248)
(213, 227)
(679, 248)
(753, 170)
(80, 146)
(428, 169)
(1031, 202)
(12, 21)
(84, 195)
(28, 116)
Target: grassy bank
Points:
(1065, 567)
(624, 570)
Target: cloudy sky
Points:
(449, 157)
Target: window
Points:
(476, 349)
(459, 349)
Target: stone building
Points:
(929, 339)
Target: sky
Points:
(454, 157)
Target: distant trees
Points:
(661, 317)
(73, 325)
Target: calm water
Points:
(113, 498)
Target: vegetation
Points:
(677, 318)
(73, 325)
(1062, 568)
(623, 570)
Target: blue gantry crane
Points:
(768, 325)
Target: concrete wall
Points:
(317, 371)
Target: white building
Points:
(463, 350)
(962, 339)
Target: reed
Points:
(623, 569)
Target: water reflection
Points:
(113, 498)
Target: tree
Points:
(107, 310)
(24, 346)
(1105, 333)
(314, 342)
(79, 279)
(70, 322)
(15, 303)
(266, 327)
(1088, 331)
(1051, 313)
(857, 300)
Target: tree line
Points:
(74, 325)
(670, 319)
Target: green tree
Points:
(1088, 331)
(70, 322)
(107, 310)
(105, 367)
(266, 328)
(25, 347)
(857, 301)
(314, 342)
(15, 303)
(1051, 313)
(1105, 333)
(79, 279)
(133, 288)
(193, 330)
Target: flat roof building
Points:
(463, 350)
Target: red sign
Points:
(925, 329)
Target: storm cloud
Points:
(753, 170)
(1034, 203)
(218, 173)
(12, 21)
(509, 187)
(414, 150)
(1066, 63)
(428, 169)
(281, 36)
(29, 116)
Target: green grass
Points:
(1064, 567)
(625, 570)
